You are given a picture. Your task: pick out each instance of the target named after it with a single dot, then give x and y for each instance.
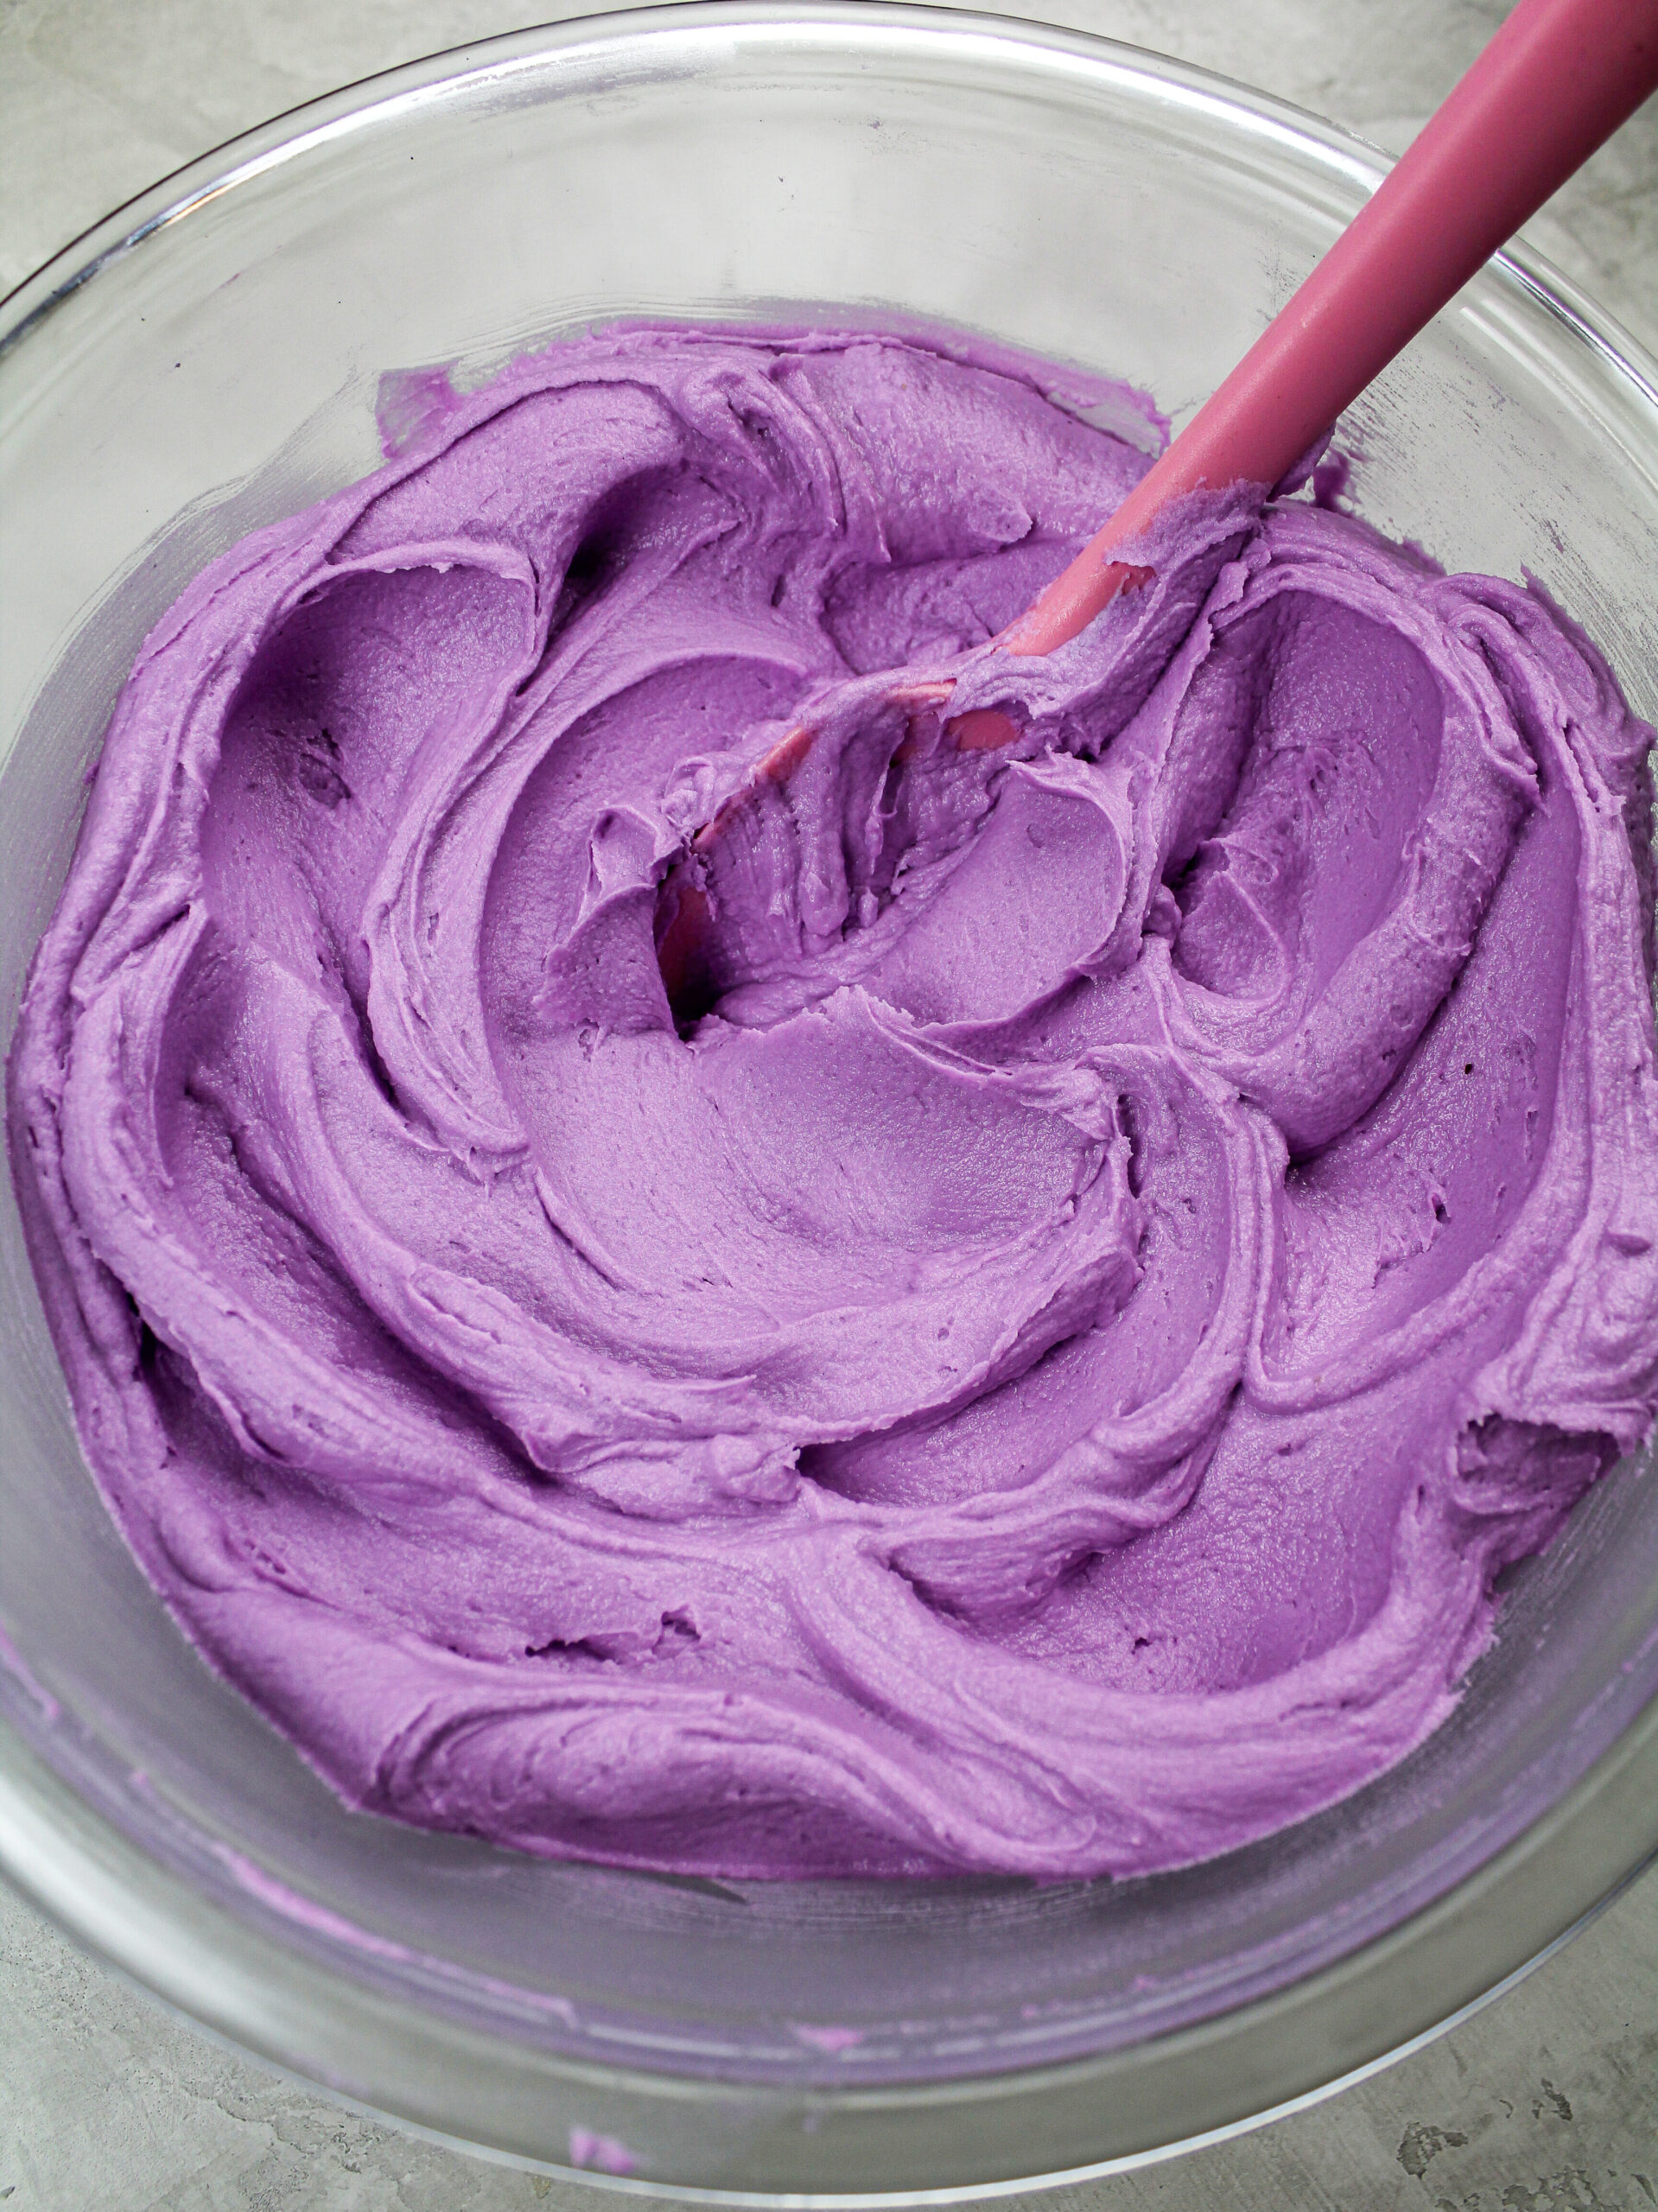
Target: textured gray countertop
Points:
(1545, 2102)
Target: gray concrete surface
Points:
(1546, 2101)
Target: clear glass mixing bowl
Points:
(211, 359)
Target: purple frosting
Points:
(1038, 1363)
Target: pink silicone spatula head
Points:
(1555, 82)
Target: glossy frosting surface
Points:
(1036, 1367)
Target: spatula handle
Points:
(1556, 81)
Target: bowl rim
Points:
(1327, 2032)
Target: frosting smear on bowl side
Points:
(1034, 1357)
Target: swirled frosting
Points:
(1039, 1366)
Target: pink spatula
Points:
(1555, 82)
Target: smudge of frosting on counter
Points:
(1041, 1373)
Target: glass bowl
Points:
(211, 359)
